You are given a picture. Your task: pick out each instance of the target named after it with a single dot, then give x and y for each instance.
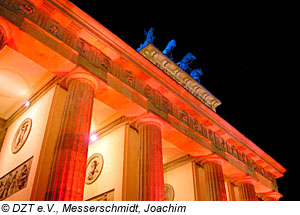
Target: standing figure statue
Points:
(196, 73)
(1, 189)
(168, 50)
(13, 186)
(149, 38)
(22, 178)
(186, 61)
(7, 184)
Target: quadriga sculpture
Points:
(168, 50)
(196, 73)
(149, 38)
(186, 61)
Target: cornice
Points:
(155, 56)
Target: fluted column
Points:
(214, 180)
(230, 191)
(3, 37)
(69, 167)
(247, 190)
(3, 131)
(151, 176)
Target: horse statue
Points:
(168, 50)
(149, 38)
(196, 73)
(186, 61)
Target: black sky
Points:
(245, 57)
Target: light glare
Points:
(93, 137)
(27, 104)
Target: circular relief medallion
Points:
(21, 135)
(93, 168)
(169, 192)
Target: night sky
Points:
(246, 61)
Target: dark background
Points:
(246, 54)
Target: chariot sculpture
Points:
(149, 38)
(196, 73)
(186, 61)
(168, 50)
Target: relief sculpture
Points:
(169, 192)
(21, 135)
(107, 196)
(15, 180)
(94, 168)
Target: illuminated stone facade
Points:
(111, 123)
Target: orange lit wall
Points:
(181, 179)
(39, 113)
(111, 147)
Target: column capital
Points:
(149, 118)
(246, 188)
(270, 196)
(212, 158)
(214, 178)
(245, 180)
(80, 73)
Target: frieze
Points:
(42, 19)
(15, 180)
(82, 47)
(183, 117)
(26, 8)
(127, 78)
(105, 62)
(165, 104)
(107, 196)
(148, 92)
(195, 125)
(68, 36)
(54, 28)
(157, 99)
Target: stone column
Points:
(247, 190)
(151, 175)
(214, 179)
(69, 165)
(230, 191)
(3, 38)
(3, 130)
